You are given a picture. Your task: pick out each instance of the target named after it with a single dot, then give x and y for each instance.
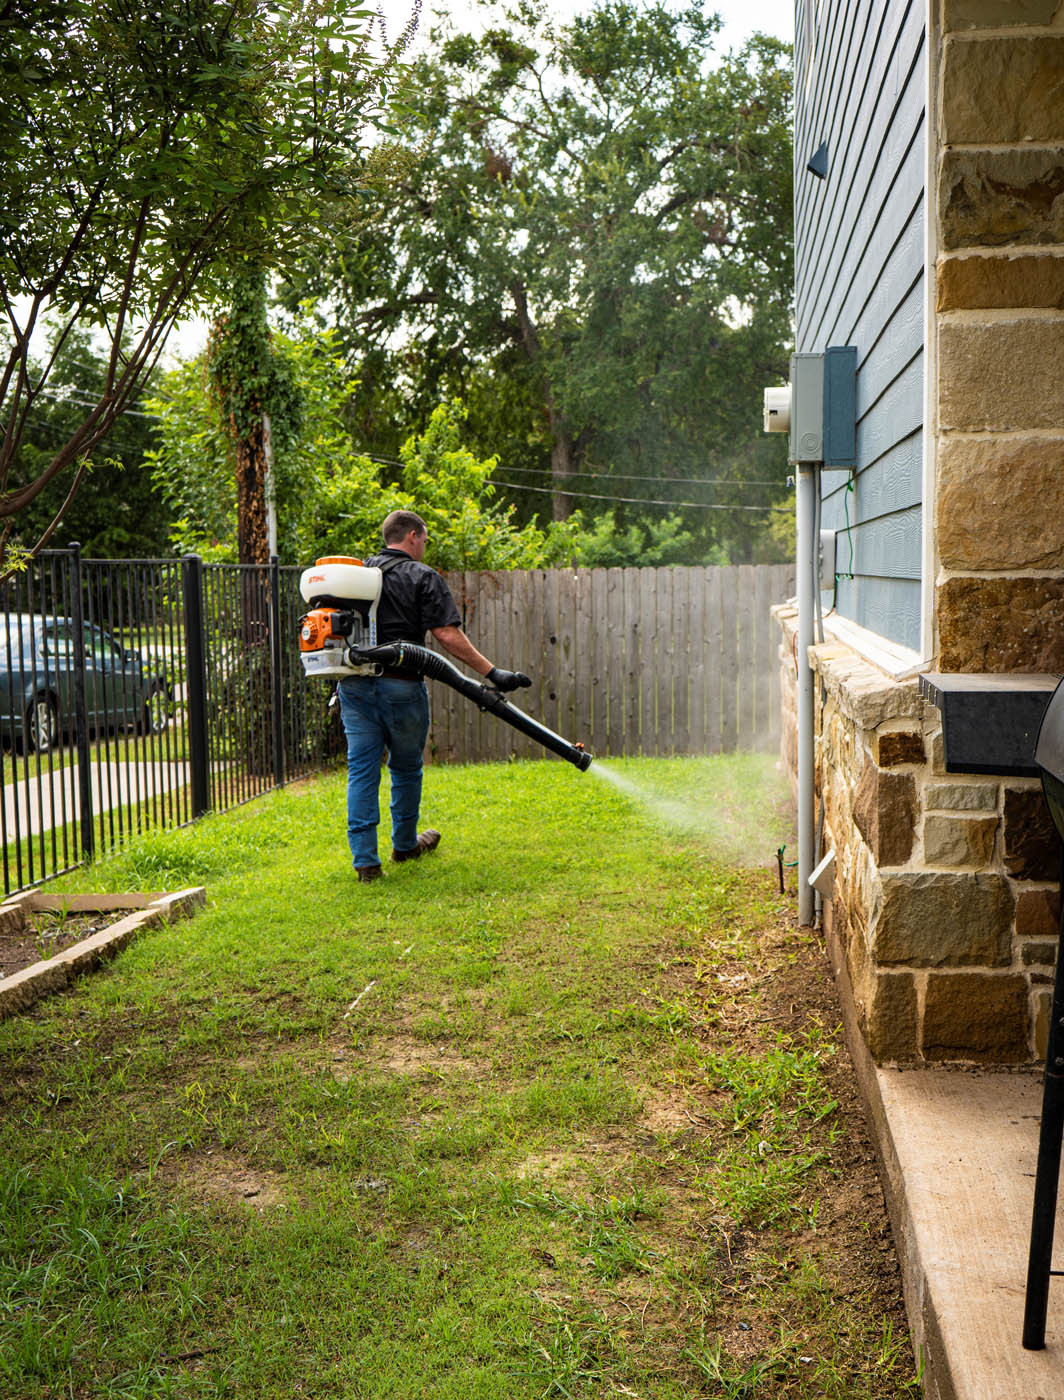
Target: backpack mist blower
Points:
(338, 638)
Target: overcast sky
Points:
(741, 18)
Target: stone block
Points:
(1031, 844)
(996, 14)
(1002, 90)
(1002, 375)
(899, 746)
(1001, 624)
(864, 888)
(891, 1018)
(961, 797)
(993, 198)
(992, 497)
(861, 969)
(959, 840)
(984, 282)
(12, 919)
(1038, 913)
(979, 1016)
(860, 690)
(929, 919)
(1041, 1010)
(938, 754)
(1039, 953)
(884, 810)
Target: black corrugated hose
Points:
(419, 661)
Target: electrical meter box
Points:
(806, 442)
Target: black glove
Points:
(507, 680)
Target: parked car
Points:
(37, 671)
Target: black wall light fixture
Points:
(818, 162)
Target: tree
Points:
(143, 150)
(118, 514)
(596, 218)
(331, 499)
(258, 399)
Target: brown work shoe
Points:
(426, 841)
(366, 873)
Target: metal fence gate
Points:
(140, 693)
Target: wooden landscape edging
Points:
(23, 988)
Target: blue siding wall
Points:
(859, 280)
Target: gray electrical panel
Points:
(840, 406)
(806, 441)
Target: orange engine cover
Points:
(317, 629)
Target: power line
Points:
(635, 500)
(678, 480)
(88, 403)
(62, 435)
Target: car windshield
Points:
(57, 637)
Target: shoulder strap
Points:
(385, 563)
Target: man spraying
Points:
(391, 711)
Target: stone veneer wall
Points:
(945, 904)
(999, 504)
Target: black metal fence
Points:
(141, 693)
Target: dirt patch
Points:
(420, 1059)
(220, 1177)
(47, 933)
(406, 1055)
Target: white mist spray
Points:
(739, 815)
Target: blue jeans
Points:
(379, 714)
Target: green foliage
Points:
(596, 225)
(117, 515)
(605, 545)
(192, 465)
(330, 498)
(145, 149)
(255, 388)
(246, 376)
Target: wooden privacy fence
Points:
(626, 661)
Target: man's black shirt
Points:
(414, 599)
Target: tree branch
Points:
(388, 310)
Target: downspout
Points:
(807, 551)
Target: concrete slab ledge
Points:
(957, 1150)
(22, 989)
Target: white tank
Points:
(340, 577)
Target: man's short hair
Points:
(399, 524)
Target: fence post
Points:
(195, 681)
(276, 659)
(81, 717)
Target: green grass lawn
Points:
(553, 1112)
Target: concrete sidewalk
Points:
(957, 1151)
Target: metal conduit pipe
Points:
(807, 551)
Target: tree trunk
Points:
(252, 533)
(561, 465)
(563, 446)
(241, 366)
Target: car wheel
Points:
(42, 724)
(156, 710)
